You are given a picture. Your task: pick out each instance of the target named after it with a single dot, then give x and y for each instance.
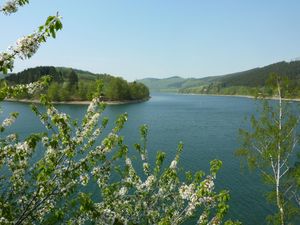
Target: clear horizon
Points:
(140, 39)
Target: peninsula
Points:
(73, 86)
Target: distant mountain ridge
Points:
(231, 84)
(174, 84)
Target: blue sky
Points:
(160, 38)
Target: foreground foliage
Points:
(43, 188)
(43, 175)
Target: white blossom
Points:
(209, 184)
(51, 111)
(128, 162)
(96, 171)
(27, 46)
(33, 87)
(6, 60)
(84, 179)
(50, 150)
(8, 121)
(123, 191)
(93, 105)
(146, 167)
(173, 164)
(190, 210)
(150, 180)
(4, 220)
(147, 184)
(11, 138)
(22, 147)
(10, 7)
(186, 191)
(202, 218)
(45, 140)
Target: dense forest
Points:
(242, 83)
(251, 81)
(69, 84)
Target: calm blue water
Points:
(208, 127)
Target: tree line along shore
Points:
(78, 87)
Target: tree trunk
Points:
(278, 200)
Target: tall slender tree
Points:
(270, 143)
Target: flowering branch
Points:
(27, 46)
(44, 174)
(12, 6)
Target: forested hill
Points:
(76, 85)
(242, 83)
(174, 84)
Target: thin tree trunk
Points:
(279, 204)
(278, 200)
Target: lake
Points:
(208, 127)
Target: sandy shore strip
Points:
(78, 102)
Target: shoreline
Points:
(243, 96)
(78, 102)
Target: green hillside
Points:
(242, 83)
(77, 85)
(162, 85)
(174, 84)
(248, 82)
(258, 76)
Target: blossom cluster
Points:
(12, 6)
(31, 87)
(17, 90)
(8, 121)
(27, 46)
(6, 61)
(147, 200)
